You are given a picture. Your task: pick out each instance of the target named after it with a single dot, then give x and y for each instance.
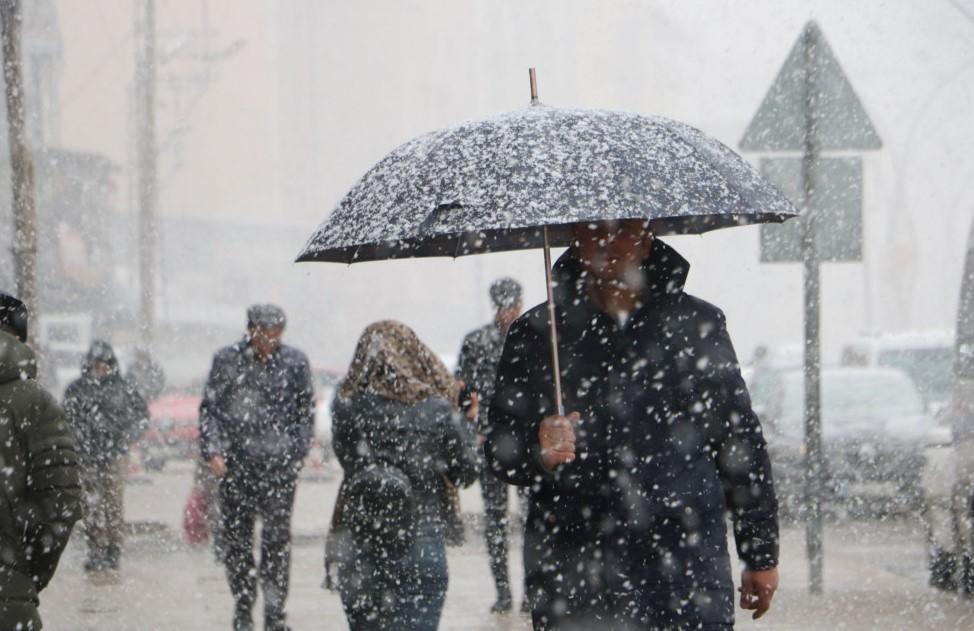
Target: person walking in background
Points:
(477, 368)
(630, 489)
(146, 375)
(400, 440)
(108, 415)
(40, 490)
(256, 422)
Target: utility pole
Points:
(145, 81)
(22, 165)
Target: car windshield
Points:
(930, 369)
(853, 402)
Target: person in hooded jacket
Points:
(108, 414)
(629, 490)
(396, 419)
(40, 491)
(256, 422)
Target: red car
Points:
(174, 429)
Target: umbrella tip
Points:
(533, 77)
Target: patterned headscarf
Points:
(392, 362)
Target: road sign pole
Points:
(812, 108)
(814, 465)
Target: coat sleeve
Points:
(345, 436)
(54, 497)
(740, 449)
(459, 447)
(301, 427)
(73, 409)
(213, 420)
(511, 444)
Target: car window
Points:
(852, 402)
(930, 368)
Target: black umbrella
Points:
(520, 180)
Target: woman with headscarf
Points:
(401, 442)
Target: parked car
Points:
(926, 356)
(873, 427)
(764, 372)
(173, 430)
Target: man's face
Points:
(265, 341)
(101, 369)
(612, 251)
(506, 317)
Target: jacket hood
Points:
(664, 271)
(17, 360)
(102, 352)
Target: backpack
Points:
(380, 509)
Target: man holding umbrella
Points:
(629, 490)
(477, 368)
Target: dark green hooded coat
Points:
(40, 490)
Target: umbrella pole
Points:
(552, 326)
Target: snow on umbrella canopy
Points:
(492, 185)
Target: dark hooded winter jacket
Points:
(258, 413)
(667, 445)
(40, 489)
(108, 413)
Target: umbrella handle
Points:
(552, 326)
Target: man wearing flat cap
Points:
(256, 422)
(477, 368)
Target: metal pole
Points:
(814, 465)
(552, 326)
(22, 165)
(146, 79)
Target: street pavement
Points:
(875, 574)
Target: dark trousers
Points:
(104, 519)
(494, 492)
(404, 593)
(569, 588)
(246, 494)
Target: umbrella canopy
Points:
(492, 185)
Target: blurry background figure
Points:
(41, 490)
(147, 375)
(477, 368)
(256, 421)
(401, 443)
(108, 415)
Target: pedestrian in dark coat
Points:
(40, 489)
(477, 368)
(147, 375)
(256, 422)
(108, 415)
(397, 408)
(629, 491)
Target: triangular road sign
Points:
(810, 92)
